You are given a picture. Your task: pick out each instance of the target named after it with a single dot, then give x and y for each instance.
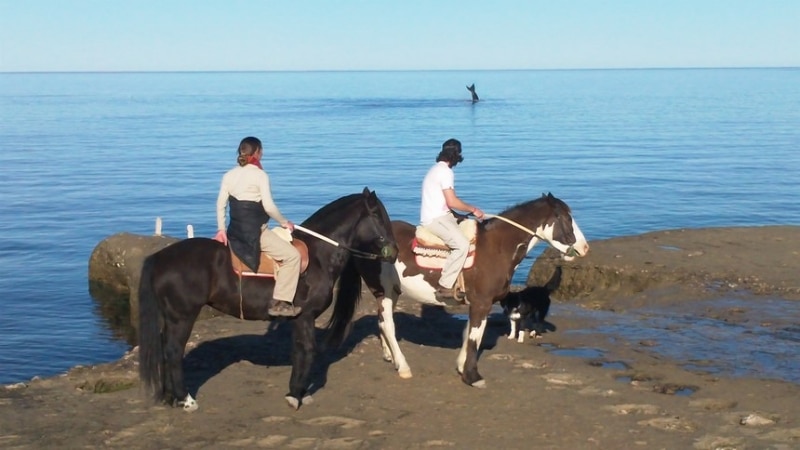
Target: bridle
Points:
(570, 250)
(385, 250)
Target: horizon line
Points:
(21, 72)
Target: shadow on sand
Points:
(435, 327)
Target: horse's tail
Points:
(151, 352)
(344, 307)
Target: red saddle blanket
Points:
(432, 258)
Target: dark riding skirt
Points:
(244, 230)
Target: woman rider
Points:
(246, 190)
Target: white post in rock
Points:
(158, 226)
(189, 231)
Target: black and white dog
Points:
(529, 305)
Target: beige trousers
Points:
(446, 227)
(287, 274)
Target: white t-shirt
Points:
(434, 205)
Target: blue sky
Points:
(190, 35)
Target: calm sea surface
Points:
(85, 156)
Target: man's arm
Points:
(453, 202)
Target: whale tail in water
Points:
(471, 89)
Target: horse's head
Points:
(562, 231)
(373, 234)
(357, 223)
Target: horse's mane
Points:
(512, 211)
(526, 204)
(520, 205)
(339, 205)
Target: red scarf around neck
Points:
(254, 161)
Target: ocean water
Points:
(88, 155)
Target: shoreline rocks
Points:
(706, 261)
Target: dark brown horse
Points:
(179, 280)
(501, 243)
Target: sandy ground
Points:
(630, 397)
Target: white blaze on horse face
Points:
(581, 244)
(416, 287)
(547, 234)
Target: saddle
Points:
(268, 266)
(430, 251)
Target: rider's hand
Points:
(477, 213)
(222, 237)
(288, 225)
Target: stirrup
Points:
(284, 309)
(450, 297)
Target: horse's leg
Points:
(380, 283)
(176, 334)
(387, 351)
(391, 348)
(303, 348)
(467, 362)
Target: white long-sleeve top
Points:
(247, 183)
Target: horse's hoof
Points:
(480, 384)
(293, 402)
(188, 404)
(405, 374)
(307, 400)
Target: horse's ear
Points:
(366, 191)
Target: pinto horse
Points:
(501, 243)
(180, 279)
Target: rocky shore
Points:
(628, 397)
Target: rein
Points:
(511, 222)
(355, 252)
(525, 229)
